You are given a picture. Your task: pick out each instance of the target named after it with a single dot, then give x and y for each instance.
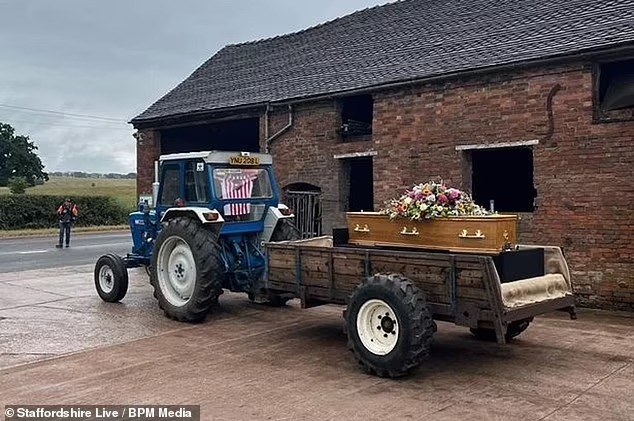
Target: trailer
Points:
(394, 295)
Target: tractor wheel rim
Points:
(378, 327)
(106, 279)
(176, 271)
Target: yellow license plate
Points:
(244, 160)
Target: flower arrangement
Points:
(433, 200)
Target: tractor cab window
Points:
(196, 183)
(242, 183)
(170, 189)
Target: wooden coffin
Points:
(471, 234)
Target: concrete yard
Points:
(59, 344)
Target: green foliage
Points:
(34, 211)
(17, 185)
(18, 158)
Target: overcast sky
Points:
(81, 59)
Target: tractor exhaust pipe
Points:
(155, 184)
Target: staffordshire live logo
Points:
(103, 412)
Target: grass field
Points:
(123, 191)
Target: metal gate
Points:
(307, 208)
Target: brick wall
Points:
(583, 172)
(148, 150)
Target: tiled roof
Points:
(409, 39)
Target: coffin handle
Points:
(358, 228)
(414, 231)
(477, 236)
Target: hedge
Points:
(38, 211)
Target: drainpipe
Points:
(270, 139)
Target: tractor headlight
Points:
(211, 216)
(285, 210)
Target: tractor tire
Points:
(389, 325)
(513, 330)
(285, 231)
(186, 270)
(111, 278)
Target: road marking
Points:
(9, 253)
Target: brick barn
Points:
(526, 104)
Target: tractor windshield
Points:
(233, 184)
(242, 183)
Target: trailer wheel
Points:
(389, 325)
(186, 270)
(513, 330)
(111, 278)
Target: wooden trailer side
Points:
(456, 286)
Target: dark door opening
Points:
(233, 135)
(361, 185)
(504, 176)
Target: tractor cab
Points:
(239, 186)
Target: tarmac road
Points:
(60, 344)
(26, 253)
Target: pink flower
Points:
(442, 199)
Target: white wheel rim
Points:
(378, 327)
(176, 271)
(106, 279)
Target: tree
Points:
(18, 185)
(18, 158)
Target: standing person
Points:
(67, 213)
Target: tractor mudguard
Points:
(272, 217)
(205, 216)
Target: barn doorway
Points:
(359, 184)
(231, 135)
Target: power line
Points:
(61, 113)
(57, 124)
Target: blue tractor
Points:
(213, 213)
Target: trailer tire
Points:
(400, 337)
(186, 270)
(513, 330)
(111, 278)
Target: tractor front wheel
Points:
(111, 278)
(185, 270)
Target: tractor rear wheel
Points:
(111, 278)
(284, 231)
(389, 325)
(186, 270)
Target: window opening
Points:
(356, 116)
(616, 85)
(503, 177)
